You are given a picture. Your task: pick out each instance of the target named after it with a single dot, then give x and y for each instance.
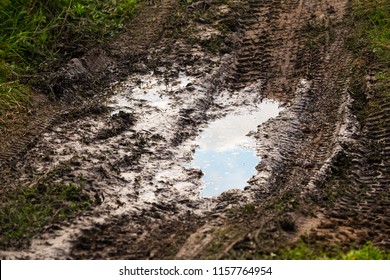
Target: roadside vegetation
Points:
(36, 34)
(370, 42)
(305, 252)
(28, 212)
(190, 13)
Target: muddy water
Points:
(150, 90)
(226, 153)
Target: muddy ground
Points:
(320, 180)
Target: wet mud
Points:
(133, 145)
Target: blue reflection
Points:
(224, 170)
(226, 153)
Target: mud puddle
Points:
(150, 90)
(226, 152)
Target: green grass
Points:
(30, 28)
(371, 39)
(367, 252)
(36, 31)
(25, 214)
(306, 252)
(372, 20)
(13, 95)
(379, 30)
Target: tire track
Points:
(362, 213)
(295, 49)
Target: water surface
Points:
(226, 154)
(153, 90)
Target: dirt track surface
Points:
(133, 152)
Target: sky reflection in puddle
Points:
(153, 90)
(225, 153)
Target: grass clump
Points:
(370, 41)
(367, 252)
(372, 23)
(13, 95)
(305, 252)
(376, 14)
(25, 214)
(32, 30)
(301, 252)
(371, 19)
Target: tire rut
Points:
(293, 50)
(362, 213)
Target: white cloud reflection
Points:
(225, 154)
(230, 132)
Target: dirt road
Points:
(178, 69)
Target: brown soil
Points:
(323, 178)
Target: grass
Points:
(377, 15)
(367, 252)
(30, 28)
(305, 252)
(26, 213)
(370, 42)
(371, 19)
(34, 32)
(13, 95)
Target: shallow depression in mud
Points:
(150, 89)
(226, 153)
